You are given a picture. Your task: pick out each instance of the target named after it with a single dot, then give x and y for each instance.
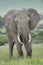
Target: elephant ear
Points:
(34, 18)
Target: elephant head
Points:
(22, 24)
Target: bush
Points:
(2, 32)
(3, 39)
(37, 37)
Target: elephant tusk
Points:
(19, 39)
(29, 38)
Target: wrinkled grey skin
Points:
(22, 22)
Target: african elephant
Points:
(19, 24)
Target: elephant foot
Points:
(20, 54)
(29, 55)
(10, 55)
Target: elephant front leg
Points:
(28, 47)
(11, 45)
(19, 49)
(11, 50)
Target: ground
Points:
(36, 60)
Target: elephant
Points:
(18, 24)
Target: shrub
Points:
(37, 37)
(3, 39)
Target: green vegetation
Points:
(3, 39)
(36, 60)
(37, 36)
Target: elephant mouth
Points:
(21, 40)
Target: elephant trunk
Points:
(19, 38)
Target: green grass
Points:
(36, 60)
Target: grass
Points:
(36, 60)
